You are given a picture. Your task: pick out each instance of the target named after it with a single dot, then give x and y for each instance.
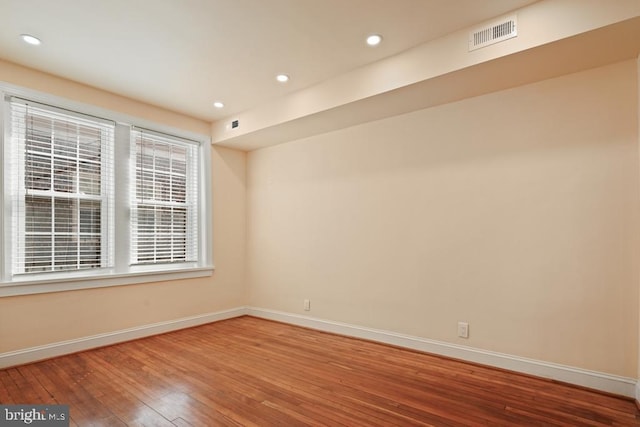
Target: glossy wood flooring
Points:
(252, 372)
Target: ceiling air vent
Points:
(494, 32)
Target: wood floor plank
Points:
(43, 395)
(252, 372)
(5, 397)
(112, 394)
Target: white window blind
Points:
(164, 205)
(61, 173)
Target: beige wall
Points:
(50, 84)
(27, 321)
(516, 211)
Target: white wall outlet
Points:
(463, 329)
(307, 305)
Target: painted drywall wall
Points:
(517, 211)
(28, 321)
(47, 83)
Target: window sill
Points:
(69, 283)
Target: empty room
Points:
(320, 212)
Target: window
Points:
(164, 200)
(90, 201)
(61, 190)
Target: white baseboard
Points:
(623, 386)
(48, 351)
(628, 387)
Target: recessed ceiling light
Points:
(374, 39)
(218, 104)
(28, 38)
(282, 78)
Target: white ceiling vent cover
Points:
(494, 32)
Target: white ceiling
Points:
(184, 54)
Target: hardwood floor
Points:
(253, 372)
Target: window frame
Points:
(19, 170)
(122, 273)
(191, 182)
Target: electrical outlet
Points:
(463, 329)
(307, 305)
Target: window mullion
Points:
(123, 175)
